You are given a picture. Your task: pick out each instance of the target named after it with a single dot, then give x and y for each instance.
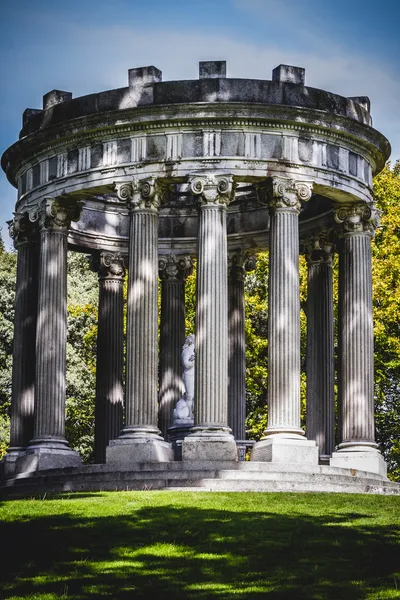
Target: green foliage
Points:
(81, 354)
(386, 300)
(8, 265)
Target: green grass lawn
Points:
(201, 545)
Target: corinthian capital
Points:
(142, 194)
(55, 214)
(239, 263)
(21, 230)
(285, 193)
(213, 189)
(109, 265)
(357, 218)
(319, 248)
(174, 267)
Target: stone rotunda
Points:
(144, 179)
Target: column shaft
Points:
(23, 373)
(283, 441)
(140, 439)
(110, 354)
(357, 448)
(172, 337)
(284, 325)
(320, 357)
(142, 342)
(237, 353)
(49, 448)
(211, 404)
(356, 342)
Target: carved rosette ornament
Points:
(55, 214)
(357, 218)
(109, 265)
(240, 263)
(284, 193)
(21, 230)
(213, 189)
(319, 248)
(144, 194)
(172, 267)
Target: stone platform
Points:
(200, 476)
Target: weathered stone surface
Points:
(281, 450)
(110, 351)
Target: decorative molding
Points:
(284, 193)
(174, 267)
(44, 172)
(319, 248)
(109, 153)
(174, 146)
(211, 143)
(138, 148)
(147, 193)
(240, 262)
(21, 230)
(62, 164)
(356, 218)
(252, 145)
(213, 189)
(55, 214)
(109, 265)
(84, 158)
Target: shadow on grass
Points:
(199, 553)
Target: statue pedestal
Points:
(177, 433)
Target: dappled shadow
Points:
(200, 553)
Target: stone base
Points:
(177, 433)
(9, 462)
(370, 461)
(206, 446)
(286, 451)
(122, 452)
(41, 458)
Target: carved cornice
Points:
(175, 268)
(356, 218)
(212, 189)
(55, 214)
(239, 263)
(284, 193)
(142, 194)
(109, 265)
(319, 248)
(22, 231)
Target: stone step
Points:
(257, 485)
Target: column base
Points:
(209, 445)
(124, 451)
(286, 451)
(47, 456)
(360, 459)
(9, 461)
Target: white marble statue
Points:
(184, 406)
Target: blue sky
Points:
(349, 47)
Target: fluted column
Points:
(23, 370)
(211, 438)
(173, 271)
(320, 419)
(284, 198)
(357, 448)
(238, 264)
(49, 448)
(110, 351)
(140, 439)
